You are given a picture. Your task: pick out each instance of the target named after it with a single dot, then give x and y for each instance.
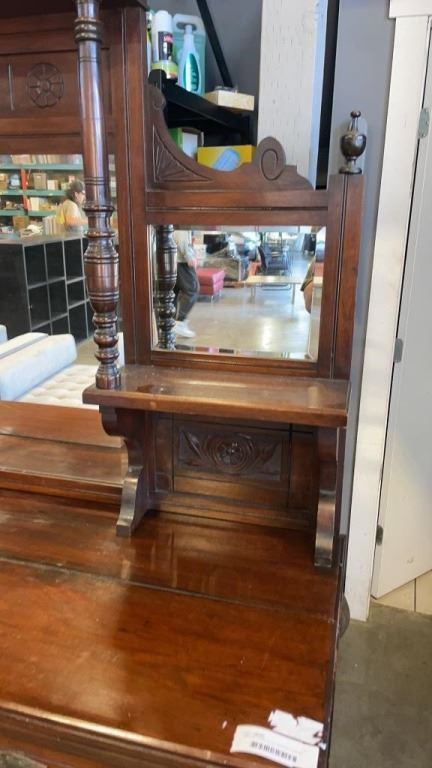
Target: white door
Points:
(405, 514)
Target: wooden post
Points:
(166, 272)
(100, 260)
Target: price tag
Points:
(263, 742)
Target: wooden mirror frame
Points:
(159, 185)
(168, 188)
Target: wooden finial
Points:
(353, 144)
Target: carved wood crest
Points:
(234, 454)
(170, 166)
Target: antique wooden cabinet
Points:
(218, 602)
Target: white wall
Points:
(292, 50)
(362, 81)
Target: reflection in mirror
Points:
(242, 291)
(45, 317)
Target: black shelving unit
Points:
(184, 109)
(43, 288)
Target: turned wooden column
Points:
(100, 260)
(165, 279)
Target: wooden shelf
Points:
(185, 109)
(308, 401)
(33, 192)
(41, 167)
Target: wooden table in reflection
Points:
(276, 281)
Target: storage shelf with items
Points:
(184, 109)
(176, 60)
(43, 287)
(32, 186)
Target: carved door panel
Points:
(262, 475)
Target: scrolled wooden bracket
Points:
(326, 513)
(353, 144)
(101, 261)
(135, 500)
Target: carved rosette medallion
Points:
(45, 85)
(233, 454)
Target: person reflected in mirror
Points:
(307, 286)
(187, 286)
(70, 212)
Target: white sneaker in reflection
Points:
(181, 328)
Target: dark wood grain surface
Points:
(50, 422)
(154, 667)
(234, 562)
(62, 469)
(320, 402)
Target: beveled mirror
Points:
(245, 291)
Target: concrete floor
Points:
(383, 705)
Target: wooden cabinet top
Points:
(320, 402)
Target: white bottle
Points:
(161, 34)
(189, 67)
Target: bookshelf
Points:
(43, 287)
(30, 198)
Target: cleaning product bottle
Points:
(189, 67)
(199, 35)
(162, 44)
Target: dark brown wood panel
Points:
(236, 453)
(344, 323)
(49, 422)
(39, 82)
(303, 490)
(39, 107)
(63, 469)
(155, 667)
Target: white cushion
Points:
(20, 342)
(27, 368)
(3, 334)
(65, 388)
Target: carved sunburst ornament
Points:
(45, 85)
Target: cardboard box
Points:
(187, 139)
(236, 102)
(39, 180)
(4, 179)
(225, 158)
(20, 222)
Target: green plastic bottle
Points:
(189, 67)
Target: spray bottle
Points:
(189, 67)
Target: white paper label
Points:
(255, 740)
(301, 728)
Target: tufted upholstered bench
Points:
(37, 368)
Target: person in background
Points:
(71, 213)
(187, 285)
(307, 286)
